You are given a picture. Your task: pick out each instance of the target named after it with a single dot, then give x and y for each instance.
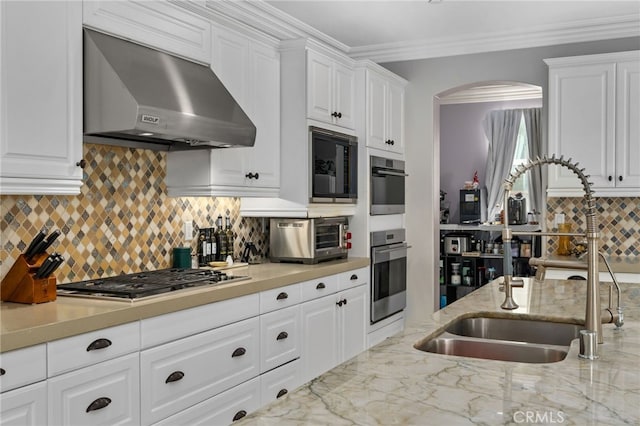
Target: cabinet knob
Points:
(238, 352)
(99, 344)
(99, 404)
(393, 142)
(283, 335)
(2, 372)
(251, 175)
(174, 377)
(610, 178)
(282, 296)
(82, 163)
(354, 277)
(336, 114)
(344, 301)
(620, 178)
(282, 393)
(240, 414)
(339, 303)
(320, 286)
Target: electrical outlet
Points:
(558, 218)
(187, 227)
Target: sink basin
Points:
(496, 350)
(517, 330)
(504, 339)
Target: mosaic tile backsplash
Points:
(122, 221)
(618, 221)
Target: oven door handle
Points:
(390, 173)
(395, 251)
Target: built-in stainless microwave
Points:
(309, 240)
(334, 167)
(387, 186)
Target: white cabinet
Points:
(41, 101)
(104, 393)
(280, 337)
(179, 374)
(277, 383)
(25, 406)
(383, 107)
(333, 330)
(330, 90)
(158, 24)
(250, 70)
(22, 367)
(594, 102)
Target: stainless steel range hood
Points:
(140, 97)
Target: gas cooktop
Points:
(148, 284)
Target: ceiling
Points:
(399, 30)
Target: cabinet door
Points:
(581, 123)
(376, 111)
(395, 117)
(628, 125)
(278, 382)
(319, 341)
(279, 337)
(344, 95)
(105, 393)
(352, 322)
(26, 406)
(319, 87)
(41, 102)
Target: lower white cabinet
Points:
(277, 383)
(107, 393)
(333, 330)
(26, 406)
(22, 367)
(279, 337)
(182, 373)
(222, 409)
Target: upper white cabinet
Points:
(383, 100)
(330, 90)
(41, 97)
(157, 24)
(250, 70)
(594, 105)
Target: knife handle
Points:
(29, 252)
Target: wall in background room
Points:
(122, 221)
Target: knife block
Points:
(21, 286)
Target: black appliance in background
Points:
(471, 208)
(334, 167)
(517, 210)
(387, 186)
(388, 273)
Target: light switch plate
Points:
(188, 230)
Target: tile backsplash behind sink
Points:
(122, 221)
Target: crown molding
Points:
(571, 32)
(493, 93)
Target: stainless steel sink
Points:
(517, 330)
(496, 350)
(504, 339)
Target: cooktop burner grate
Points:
(146, 284)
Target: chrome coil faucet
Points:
(593, 316)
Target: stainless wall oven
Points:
(334, 167)
(387, 186)
(388, 273)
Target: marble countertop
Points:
(393, 383)
(23, 325)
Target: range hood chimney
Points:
(139, 97)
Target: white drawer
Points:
(85, 349)
(222, 409)
(279, 382)
(353, 278)
(23, 366)
(26, 406)
(279, 337)
(176, 325)
(107, 393)
(183, 373)
(313, 289)
(279, 298)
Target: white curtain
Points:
(501, 128)
(534, 140)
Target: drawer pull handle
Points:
(240, 414)
(282, 296)
(174, 377)
(99, 404)
(238, 352)
(99, 344)
(2, 372)
(282, 393)
(283, 335)
(354, 277)
(320, 286)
